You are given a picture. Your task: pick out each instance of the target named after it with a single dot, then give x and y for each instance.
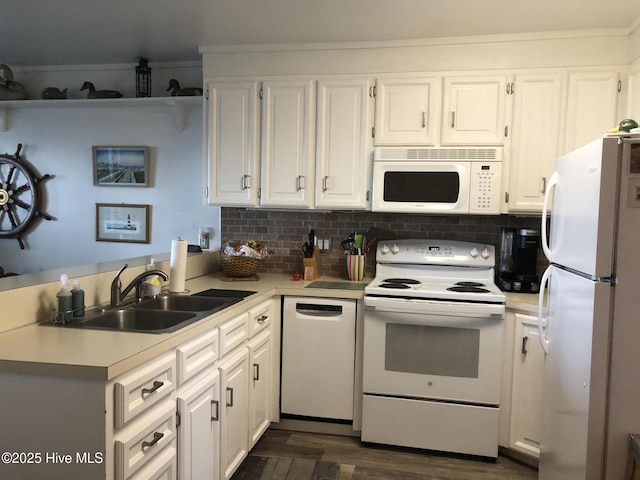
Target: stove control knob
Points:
(395, 249)
(474, 252)
(485, 253)
(384, 249)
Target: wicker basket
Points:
(239, 266)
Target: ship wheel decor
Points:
(20, 196)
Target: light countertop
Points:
(40, 349)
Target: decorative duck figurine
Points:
(51, 93)
(10, 90)
(93, 93)
(183, 92)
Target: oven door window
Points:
(421, 187)
(432, 350)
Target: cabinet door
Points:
(407, 111)
(288, 121)
(199, 430)
(526, 395)
(259, 387)
(474, 110)
(234, 411)
(591, 107)
(537, 108)
(233, 143)
(343, 144)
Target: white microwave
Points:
(437, 180)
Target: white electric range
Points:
(433, 335)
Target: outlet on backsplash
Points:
(323, 243)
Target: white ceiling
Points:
(66, 32)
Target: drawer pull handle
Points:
(256, 371)
(262, 319)
(156, 438)
(229, 397)
(156, 385)
(215, 407)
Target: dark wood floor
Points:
(285, 455)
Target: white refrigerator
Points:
(590, 329)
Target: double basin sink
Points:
(162, 314)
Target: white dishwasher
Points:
(318, 357)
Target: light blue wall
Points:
(59, 141)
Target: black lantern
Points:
(143, 78)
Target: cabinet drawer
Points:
(196, 355)
(233, 333)
(260, 317)
(163, 467)
(143, 388)
(145, 439)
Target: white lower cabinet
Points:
(259, 386)
(190, 413)
(234, 411)
(526, 393)
(199, 429)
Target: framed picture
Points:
(121, 166)
(121, 222)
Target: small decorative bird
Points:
(10, 90)
(183, 92)
(51, 93)
(93, 93)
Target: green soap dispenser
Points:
(77, 298)
(65, 302)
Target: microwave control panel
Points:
(484, 194)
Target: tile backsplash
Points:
(285, 232)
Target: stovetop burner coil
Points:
(468, 289)
(406, 281)
(469, 284)
(394, 285)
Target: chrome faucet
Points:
(117, 295)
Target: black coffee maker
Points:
(518, 259)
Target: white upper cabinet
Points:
(233, 143)
(535, 137)
(474, 110)
(591, 107)
(288, 128)
(407, 110)
(343, 143)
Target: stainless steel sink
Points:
(163, 314)
(138, 320)
(186, 303)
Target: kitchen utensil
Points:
(307, 250)
(308, 246)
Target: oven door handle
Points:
(457, 309)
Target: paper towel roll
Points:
(178, 266)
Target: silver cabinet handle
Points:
(246, 182)
(325, 180)
(300, 182)
(156, 438)
(156, 385)
(544, 185)
(424, 119)
(453, 119)
(262, 319)
(256, 371)
(229, 397)
(215, 407)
